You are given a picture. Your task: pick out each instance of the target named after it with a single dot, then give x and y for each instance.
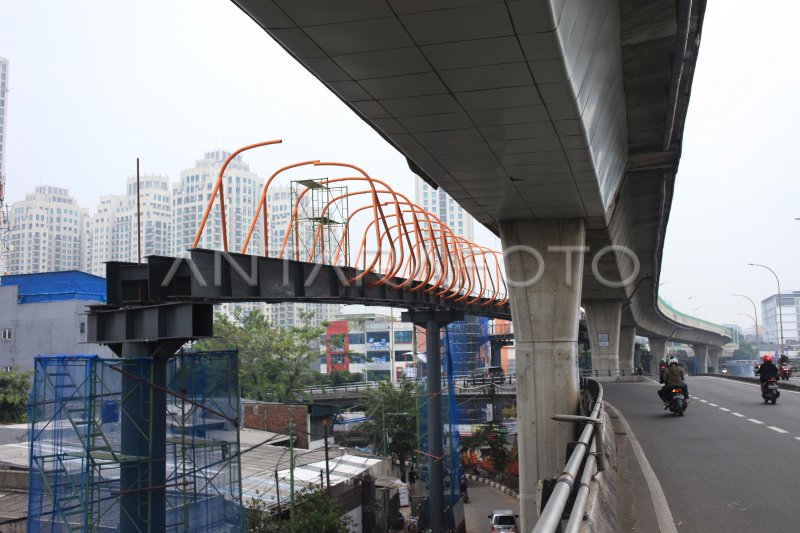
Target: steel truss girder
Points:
(211, 276)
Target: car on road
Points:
(504, 521)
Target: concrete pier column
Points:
(701, 357)
(713, 359)
(658, 350)
(544, 267)
(603, 322)
(627, 340)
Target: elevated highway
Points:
(725, 466)
(556, 123)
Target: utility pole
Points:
(291, 468)
(278, 490)
(327, 465)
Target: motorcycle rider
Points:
(662, 367)
(674, 376)
(767, 370)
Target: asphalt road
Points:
(731, 464)
(484, 499)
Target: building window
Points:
(402, 337)
(5, 334)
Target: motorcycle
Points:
(462, 491)
(677, 402)
(786, 371)
(769, 391)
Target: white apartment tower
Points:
(4, 225)
(190, 196)
(48, 233)
(114, 229)
(439, 203)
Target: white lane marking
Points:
(713, 404)
(754, 421)
(745, 383)
(724, 409)
(704, 401)
(797, 438)
(666, 524)
(777, 430)
(740, 415)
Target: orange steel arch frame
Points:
(219, 187)
(468, 281)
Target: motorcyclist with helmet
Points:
(674, 376)
(662, 367)
(767, 370)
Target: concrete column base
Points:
(627, 340)
(544, 269)
(701, 357)
(603, 322)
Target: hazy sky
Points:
(96, 83)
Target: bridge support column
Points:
(713, 359)
(658, 351)
(544, 267)
(627, 341)
(701, 358)
(603, 322)
(433, 321)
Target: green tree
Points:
(342, 377)
(392, 422)
(15, 385)
(273, 361)
(314, 512)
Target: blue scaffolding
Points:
(76, 458)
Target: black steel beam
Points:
(211, 276)
(168, 325)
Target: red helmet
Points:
(767, 358)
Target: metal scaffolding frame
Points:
(323, 212)
(78, 461)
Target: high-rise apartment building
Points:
(4, 223)
(48, 233)
(190, 196)
(114, 228)
(439, 203)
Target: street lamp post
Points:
(780, 309)
(758, 346)
(755, 314)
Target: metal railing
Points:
(590, 373)
(461, 380)
(591, 442)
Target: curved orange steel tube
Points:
(262, 205)
(446, 256)
(218, 187)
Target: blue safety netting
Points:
(75, 412)
(464, 348)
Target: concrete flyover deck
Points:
(525, 110)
